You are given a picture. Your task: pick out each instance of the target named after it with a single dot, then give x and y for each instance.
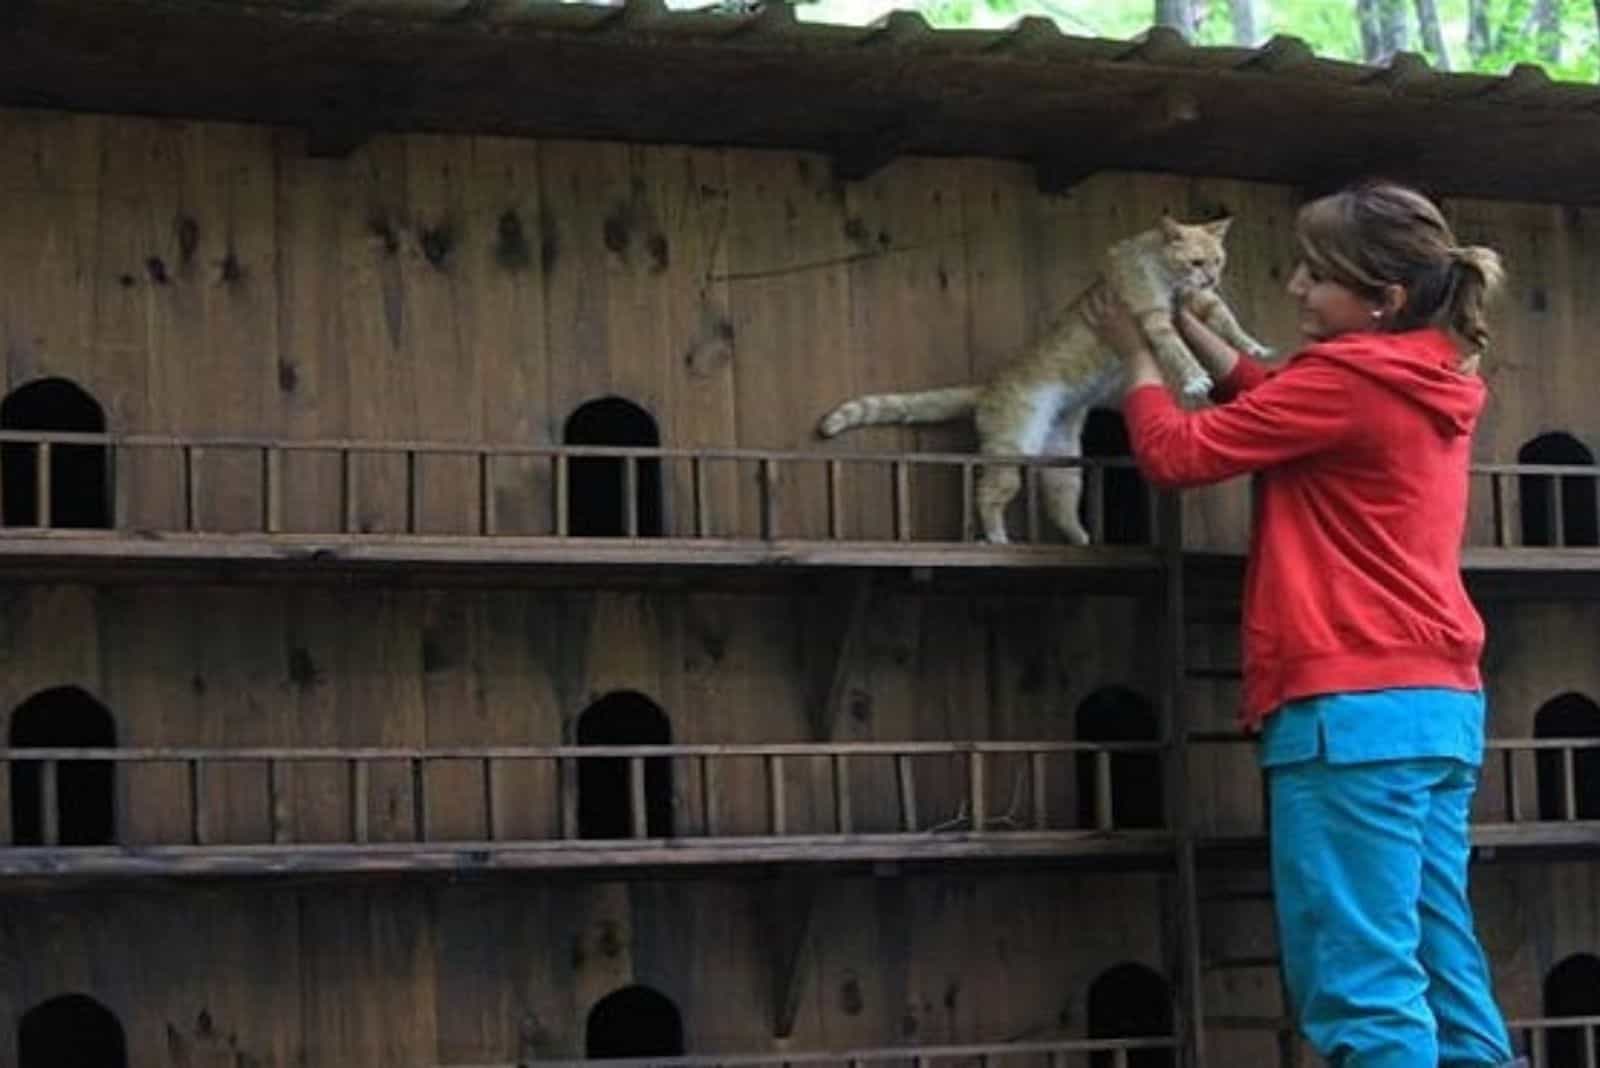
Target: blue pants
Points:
(1369, 866)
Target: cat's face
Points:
(1193, 254)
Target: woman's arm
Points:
(1233, 372)
(1285, 417)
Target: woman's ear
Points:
(1393, 298)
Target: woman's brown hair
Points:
(1378, 234)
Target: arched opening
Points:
(633, 1022)
(1130, 1001)
(64, 717)
(1571, 989)
(1578, 522)
(70, 1031)
(597, 486)
(80, 486)
(1118, 714)
(1570, 715)
(1127, 499)
(605, 797)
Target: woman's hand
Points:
(1119, 331)
(1115, 325)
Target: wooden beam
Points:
(1159, 117)
(792, 913)
(857, 157)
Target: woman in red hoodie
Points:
(1361, 646)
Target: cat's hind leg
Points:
(1015, 426)
(1063, 486)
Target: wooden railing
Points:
(177, 484)
(1533, 1035)
(1061, 1053)
(1579, 1034)
(172, 484)
(1498, 508)
(1512, 787)
(819, 801)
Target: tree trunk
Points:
(1179, 14)
(1478, 29)
(1383, 29)
(1547, 29)
(1432, 37)
(1247, 22)
(1371, 30)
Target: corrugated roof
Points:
(1071, 105)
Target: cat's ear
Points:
(1171, 228)
(1219, 229)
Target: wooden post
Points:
(775, 792)
(419, 801)
(841, 793)
(769, 493)
(488, 800)
(569, 796)
(835, 500)
(278, 800)
(42, 486)
(488, 524)
(1502, 513)
(708, 794)
(1513, 801)
(697, 487)
(1030, 496)
(1104, 818)
(902, 500)
(358, 800)
(271, 490)
(563, 520)
(636, 798)
(1041, 803)
(413, 495)
(198, 816)
(977, 791)
(1569, 782)
(119, 498)
(347, 491)
(630, 495)
(1095, 477)
(191, 491)
(969, 475)
(1558, 508)
(50, 803)
(908, 793)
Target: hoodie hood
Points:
(1419, 365)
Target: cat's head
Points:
(1193, 252)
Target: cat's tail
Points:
(929, 406)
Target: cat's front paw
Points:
(1197, 387)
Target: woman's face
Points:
(1329, 308)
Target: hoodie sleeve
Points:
(1246, 375)
(1302, 410)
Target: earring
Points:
(1377, 313)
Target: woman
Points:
(1361, 646)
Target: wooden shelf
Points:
(424, 560)
(32, 867)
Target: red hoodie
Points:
(1354, 575)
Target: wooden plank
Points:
(793, 908)
(39, 866)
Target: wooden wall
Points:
(279, 978)
(210, 278)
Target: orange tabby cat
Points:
(1037, 404)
